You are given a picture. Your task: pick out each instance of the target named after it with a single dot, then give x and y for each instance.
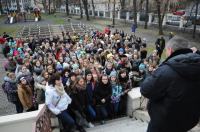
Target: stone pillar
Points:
(138, 17)
(111, 14)
(164, 21)
(93, 13)
(127, 16)
(181, 23)
(98, 13)
(104, 14)
(118, 15)
(150, 18)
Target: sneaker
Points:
(82, 130)
(90, 125)
(102, 122)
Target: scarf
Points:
(60, 89)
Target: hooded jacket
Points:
(174, 93)
(11, 89)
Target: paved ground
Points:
(151, 36)
(5, 106)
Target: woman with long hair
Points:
(102, 96)
(80, 103)
(25, 94)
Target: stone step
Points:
(119, 125)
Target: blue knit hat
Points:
(113, 74)
(142, 67)
(121, 50)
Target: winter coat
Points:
(38, 70)
(173, 91)
(10, 66)
(116, 93)
(55, 102)
(90, 87)
(11, 89)
(79, 100)
(25, 96)
(39, 89)
(103, 92)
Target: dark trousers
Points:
(102, 112)
(19, 107)
(66, 118)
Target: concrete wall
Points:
(24, 122)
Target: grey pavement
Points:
(6, 107)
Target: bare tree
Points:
(81, 9)
(113, 21)
(135, 12)
(44, 2)
(1, 10)
(122, 3)
(140, 4)
(160, 15)
(146, 14)
(58, 3)
(93, 8)
(54, 5)
(196, 13)
(67, 7)
(18, 6)
(85, 4)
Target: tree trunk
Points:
(18, 6)
(108, 5)
(49, 6)
(85, 4)
(44, 2)
(81, 9)
(159, 17)
(135, 12)
(67, 7)
(1, 10)
(93, 8)
(54, 6)
(113, 13)
(58, 3)
(195, 23)
(122, 3)
(146, 14)
(8, 2)
(141, 3)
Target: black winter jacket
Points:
(174, 93)
(103, 92)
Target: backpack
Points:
(3, 87)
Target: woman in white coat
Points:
(57, 100)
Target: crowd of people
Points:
(81, 78)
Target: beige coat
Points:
(25, 96)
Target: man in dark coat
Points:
(173, 90)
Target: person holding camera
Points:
(173, 89)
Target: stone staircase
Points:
(125, 124)
(138, 122)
